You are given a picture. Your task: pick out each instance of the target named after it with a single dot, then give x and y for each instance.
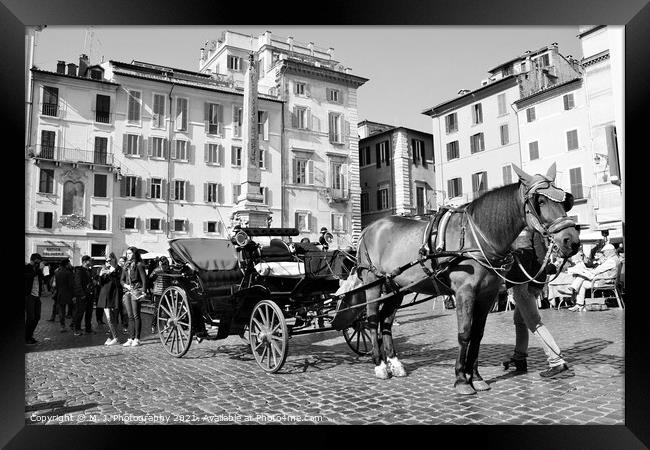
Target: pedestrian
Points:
(83, 290)
(530, 250)
(99, 312)
(109, 291)
(122, 315)
(64, 290)
(134, 283)
(33, 287)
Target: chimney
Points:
(84, 62)
(290, 42)
(330, 51)
(203, 54)
(311, 48)
(72, 69)
(60, 67)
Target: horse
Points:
(478, 236)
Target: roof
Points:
(394, 129)
(162, 75)
(448, 105)
(325, 72)
(536, 52)
(205, 253)
(549, 89)
(65, 75)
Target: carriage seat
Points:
(281, 268)
(276, 251)
(219, 282)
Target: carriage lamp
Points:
(241, 238)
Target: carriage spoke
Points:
(263, 353)
(256, 322)
(275, 347)
(165, 309)
(168, 336)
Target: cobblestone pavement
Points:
(72, 380)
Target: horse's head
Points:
(546, 206)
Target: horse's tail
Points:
(363, 258)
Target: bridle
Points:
(534, 221)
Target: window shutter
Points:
(165, 148)
(346, 127)
(205, 227)
(378, 155)
(424, 155)
(172, 189)
(312, 223)
(147, 224)
(266, 125)
(206, 116)
(137, 223)
(268, 160)
(566, 102)
(269, 197)
(378, 199)
(221, 155)
(150, 147)
(331, 126)
(415, 153)
(164, 189)
(310, 172)
(294, 117)
(123, 187)
(140, 146)
(125, 143)
(148, 194)
(138, 187)
(122, 223)
(189, 191)
(295, 170)
(233, 156)
(206, 153)
(387, 153)
(332, 223)
(296, 220)
(190, 152)
(173, 149)
(220, 193)
(315, 123)
(220, 118)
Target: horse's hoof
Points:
(481, 385)
(396, 367)
(464, 389)
(381, 371)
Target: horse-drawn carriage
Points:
(216, 288)
(275, 291)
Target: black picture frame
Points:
(634, 14)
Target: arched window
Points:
(73, 198)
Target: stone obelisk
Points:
(250, 208)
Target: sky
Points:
(409, 68)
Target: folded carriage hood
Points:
(205, 253)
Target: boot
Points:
(521, 365)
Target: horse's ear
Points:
(523, 176)
(551, 172)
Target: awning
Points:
(594, 236)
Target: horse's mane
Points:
(496, 212)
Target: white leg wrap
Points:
(381, 371)
(396, 368)
(549, 345)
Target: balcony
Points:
(337, 195)
(52, 110)
(70, 155)
(103, 117)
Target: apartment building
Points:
(319, 163)
(136, 154)
(397, 171)
(478, 133)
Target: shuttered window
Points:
(501, 103)
(453, 150)
(235, 156)
(213, 118)
(575, 177)
(158, 117)
(44, 219)
(451, 123)
(505, 135)
(46, 181)
(237, 119)
(133, 115)
(236, 192)
(568, 102)
(572, 140)
(303, 171)
(533, 150)
(477, 114)
(530, 114)
(479, 183)
(50, 101)
(181, 114)
(477, 143)
(100, 187)
(99, 222)
(507, 174)
(454, 187)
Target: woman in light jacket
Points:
(134, 283)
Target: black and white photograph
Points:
(325, 225)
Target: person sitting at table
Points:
(583, 277)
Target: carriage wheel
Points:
(357, 336)
(268, 336)
(175, 321)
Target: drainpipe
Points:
(442, 179)
(169, 165)
(282, 165)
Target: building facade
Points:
(397, 171)
(319, 162)
(137, 154)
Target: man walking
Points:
(83, 290)
(64, 287)
(33, 286)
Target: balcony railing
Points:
(73, 155)
(338, 195)
(102, 117)
(51, 109)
